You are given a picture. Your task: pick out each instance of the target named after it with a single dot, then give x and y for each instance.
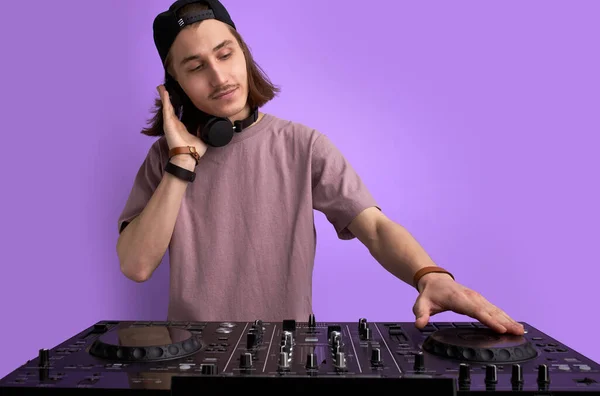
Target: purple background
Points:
(475, 125)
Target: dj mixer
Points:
(296, 357)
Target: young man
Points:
(235, 209)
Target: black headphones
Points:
(216, 131)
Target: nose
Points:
(218, 76)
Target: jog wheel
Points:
(145, 344)
(479, 345)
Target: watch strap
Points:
(180, 172)
(191, 150)
(427, 270)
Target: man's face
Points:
(210, 66)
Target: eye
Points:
(223, 57)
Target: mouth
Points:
(225, 95)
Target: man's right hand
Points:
(176, 133)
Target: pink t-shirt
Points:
(243, 246)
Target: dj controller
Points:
(296, 357)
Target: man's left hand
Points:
(439, 293)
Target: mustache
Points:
(222, 90)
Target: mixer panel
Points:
(179, 357)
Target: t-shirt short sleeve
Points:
(145, 183)
(338, 191)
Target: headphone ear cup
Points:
(217, 132)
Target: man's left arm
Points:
(400, 254)
(392, 246)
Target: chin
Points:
(230, 110)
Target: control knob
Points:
(44, 364)
(367, 333)
(287, 338)
(312, 323)
(340, 360)
(543, 377)
(284, 360)
(362, 325)
(285, 348)
(375, 356)
(44, 358)
(491, 374)
(335, 348)
(517, 374)
(335, 336)
(246, 360)
(251, 339)
(208, 369)
(311, 361)
(464, 374)
(419, 364)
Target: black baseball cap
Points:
(167, 25)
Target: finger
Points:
(422, 311)
(505, 320)
(479, 308)
(482, 310)
(168, 111)
(512, 325)
(490, 320)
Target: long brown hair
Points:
(260, 89)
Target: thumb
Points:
(422, 312)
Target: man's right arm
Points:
(143, 243)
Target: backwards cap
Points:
(167, 25)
